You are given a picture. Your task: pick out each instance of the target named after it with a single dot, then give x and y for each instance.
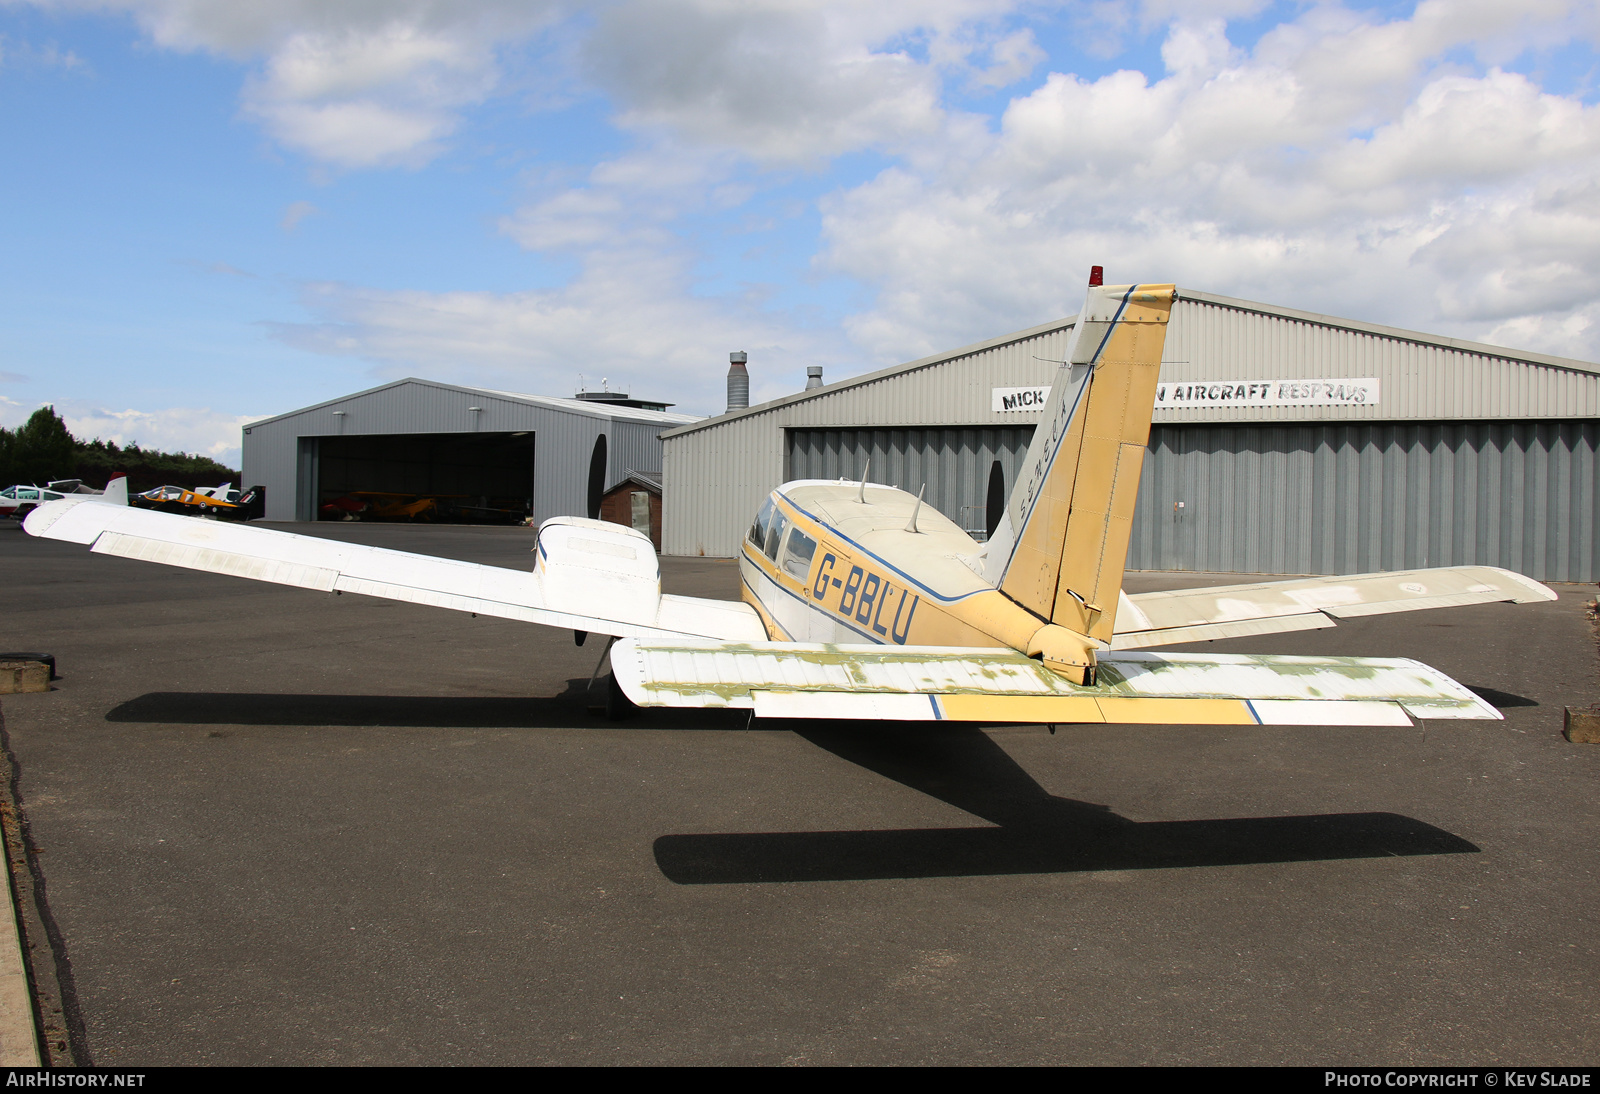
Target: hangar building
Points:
(1284, 442)
(559, 456)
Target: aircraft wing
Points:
(589, 576)
(925, 683)
(1268, 607)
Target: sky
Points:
(213, 211)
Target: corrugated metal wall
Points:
(633, 447)
(954, 464)
(1306, 499)
(1356, 498)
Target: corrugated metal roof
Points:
(875, 377)
(586, 408)
(1482, 349)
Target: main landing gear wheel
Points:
(618, 705)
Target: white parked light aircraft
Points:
(862, 603)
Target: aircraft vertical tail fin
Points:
(116, 492)
(1060, 549)
(253, 503)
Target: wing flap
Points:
(1206, 632)
(805, 680)
(728, 619)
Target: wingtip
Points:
(46, 521)
(1538, 590)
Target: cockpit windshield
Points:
(758, 530)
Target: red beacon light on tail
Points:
(1097, 275)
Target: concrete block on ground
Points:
(1582, 726)
(23, 676)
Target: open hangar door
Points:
(968, 473)
(472, 477)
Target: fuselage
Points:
(831, 561)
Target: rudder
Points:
(1061, 548)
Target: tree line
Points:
(43, 450)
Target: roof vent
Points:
(738, 381)
(813, 376)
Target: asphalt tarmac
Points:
(280, 827)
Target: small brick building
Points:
(635, 502)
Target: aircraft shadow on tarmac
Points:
(571, 708)
(1501, 700)
(1037, 832)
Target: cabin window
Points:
(758, 530)
(797, 557)
(780, 525)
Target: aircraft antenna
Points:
(861, 495)
(911, 525)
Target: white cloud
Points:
(1396, 170)
(1010, 59)
(628, 316)
(1343, 165)
(350, 83)
(13, 413)
(371, 97)
(383, 83)
(22, 54)
(295, 213)
(784, 83)
(176, 429)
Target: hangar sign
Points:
(1019, 398)
(1346, 392)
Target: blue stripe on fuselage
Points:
(887, 565)
(809, 605)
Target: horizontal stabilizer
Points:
(912, 683)
(591, 576)
(1268, 607)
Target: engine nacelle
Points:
(596, 568)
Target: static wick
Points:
(861, 495)
(911, 525)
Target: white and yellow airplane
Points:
(860, 602)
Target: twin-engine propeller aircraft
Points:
(861, 602)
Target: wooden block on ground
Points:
(23, 676)
(1582, 727)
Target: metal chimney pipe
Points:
(813, 376)
(738, 381)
